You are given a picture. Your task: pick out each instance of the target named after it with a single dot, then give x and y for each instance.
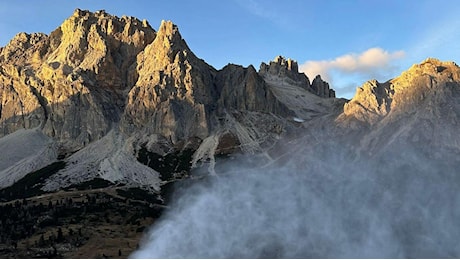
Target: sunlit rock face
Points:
(71, 82)
(420, 107)
(98, 73)
(173, 91)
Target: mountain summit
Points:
(114, 87)
(99, 77)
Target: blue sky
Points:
(346, 41)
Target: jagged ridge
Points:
(98, 73)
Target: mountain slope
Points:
(105, 88)
(419, 108)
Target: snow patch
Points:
(298, 120)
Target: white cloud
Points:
(372, 63)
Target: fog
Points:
(315, 205)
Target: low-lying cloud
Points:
(371, 63)
(316, 205)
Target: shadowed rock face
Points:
(321, 88)
(288, 70)
(284, 68)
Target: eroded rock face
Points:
(432, 82)
(243, 89)
(97, 69)
(72, 82)
(321, 88)
(173, 91)
(371, 102)
(419, 108)
(287, 70)
(99, 73)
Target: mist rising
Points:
(398, 206)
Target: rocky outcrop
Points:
(284, 68)
(99, 73)
(371, 102)
(287, 71)
(71, 82)
(97, 69)
(321, 88)
(419, 108)
(424, 85)
(243, 89)
(174, 89)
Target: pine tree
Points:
(60, 236)
(41, 241)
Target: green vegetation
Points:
(40, 227)
(138, 194)
(167, 165)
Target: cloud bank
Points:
(309, 207)
(371, 63)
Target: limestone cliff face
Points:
(321, 88)
(423, 86)
(72, 82)
(98, 72)
(284, 68)
(110, 90)
(420, 107)
(287, 70)
(371, 102)
(100, 45)
(173, 91)
(243, 89)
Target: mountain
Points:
(417, 109)
(110, 108)
(102, 88)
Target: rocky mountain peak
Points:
(169, 29)
(321, 87)
(420, 89)
(18, 49)
(287, 70)
(288, 63)
(166, 46)
(284, 68)
(89, 40)
(431, 67)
